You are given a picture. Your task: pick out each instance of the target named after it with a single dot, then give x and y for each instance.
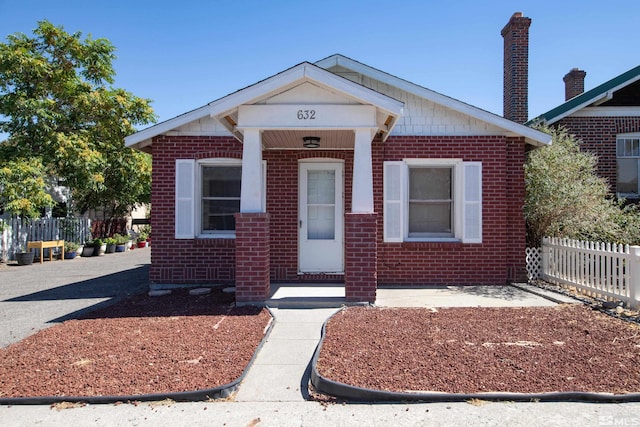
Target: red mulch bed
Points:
(144, 345)
(475, 350)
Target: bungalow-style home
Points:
(607, 121)
(335, 171)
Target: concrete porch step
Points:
(307, 295)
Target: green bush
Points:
(566, 198)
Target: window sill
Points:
(216, 236)
(431, 244)
(211, 241)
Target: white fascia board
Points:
(602, 97)
(138, 138)
(534, 137)
(597, 100)
(277, 83)
(302, 72)
(608, 112)
(252, 93)
(361, 93)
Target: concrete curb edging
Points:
(221, 392)
(359, 394)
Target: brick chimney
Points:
(573, 83)
(516, 68)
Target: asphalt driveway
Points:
(41, 295)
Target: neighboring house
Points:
(335, 171)
(607, 121)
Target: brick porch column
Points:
(252, 257)
(361, 256)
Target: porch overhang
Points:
(274, 103)
(306, 99)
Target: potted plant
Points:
(99, 247)
(87, 249)
(70, 250)
(142, 239)
(23, 257)
(110, 245)
(121, 242)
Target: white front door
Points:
(321, 218)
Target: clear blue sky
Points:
(182, 55)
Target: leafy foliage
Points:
(58, 106)
(22, 187)
(566, 198)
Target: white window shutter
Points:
(185, 201)
(472, 202)
(393, 211)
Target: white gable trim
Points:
(608, 112)
(289, 78)
(532, 136)
(143, 138)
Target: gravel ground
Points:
(144, 345)
(474, 350)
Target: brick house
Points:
(335, 171)
(607, 121)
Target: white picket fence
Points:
(603, 270)
(17, 232)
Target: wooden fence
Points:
(603, 270)
(17, 232)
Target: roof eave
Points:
(532, 136)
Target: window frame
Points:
(467, 199)
(456, 198)
(624, 137)
(197, 211)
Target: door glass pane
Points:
(321, 222)
(321, 187)
(321, 216)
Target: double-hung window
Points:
(433, 200)
(219, 198)
(208, 197)
(628, 165)
(431, 204)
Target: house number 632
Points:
(306, 114)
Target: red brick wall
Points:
(516, 68)
(186, 261)
(361, 258)
(493, 261)
(282, 205)
(499, 258)
(598, 136)
(252, 257)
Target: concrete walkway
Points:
(280, 371)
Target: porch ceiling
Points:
(292, 139)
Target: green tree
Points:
(566, 198)
(57, 105)
(22, 187)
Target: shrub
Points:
(566, 198)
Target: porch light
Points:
(311, 141)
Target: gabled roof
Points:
(532, 136)
(595, 96)
(224, 108)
